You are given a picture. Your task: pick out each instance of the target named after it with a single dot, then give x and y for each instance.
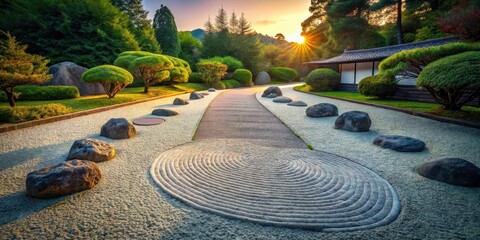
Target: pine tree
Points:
(166, 31)
(233, 24)
(244, 27)
(18, 67)
(221, 20)
(209, 26)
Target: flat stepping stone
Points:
(297, 104)
(164, 112)
(322, 110)
(148, 121)
(179, 101)
(118, 128)
(399, 143)
(195, 96)
(276, 186)
(91, 150)
(204, 94)
(282, 100)
(354, 121)
(455, 171)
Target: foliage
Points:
(231, 62)
(166, 31)
(87, 32)
(212, 73)
(323, 79)
(231, 83)
(462, 20)
(151, 69)
(28, 113)
(33, 93)
(190, 49)
(409, 63)
(195, 78)
(453, 80)
(244, 76)
(18, 67)
(283, 74)
(112, 78)
(377, 86)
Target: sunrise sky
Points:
(267, 16)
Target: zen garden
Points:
(223, 119)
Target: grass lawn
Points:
(467, 112)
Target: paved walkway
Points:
(248, 165)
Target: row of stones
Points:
(80, 171)
(454, 171)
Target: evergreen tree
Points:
(209, 28)
(221, 20)
(190, 49)
(244, 27)
(233, 23)
(166, 31)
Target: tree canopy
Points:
(166, 31)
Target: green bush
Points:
(244, 76)
(195, 78)
(323, 79)
(27, 113)
(453, 80)
(34, 93)
(113, 79)
(231, 83)
(212, 73)
(377, 86)
(283, 74)
(232, 63)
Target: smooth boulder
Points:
(211, 90)
(70, 74)
(399, 143)
(179, 101)
(164, 112)
(263, 78)
(322, 110)
(194, 96)
(118, 128)
(272, 92)
(91, 150)
(63, 179)
(282, 100)
(354, 121)
(297, 104)
(455, 171)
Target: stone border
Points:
(411, 112)
(12, 127)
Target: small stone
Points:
(322, 110)
(63, 179)
(263, 78)
(211, 90)
(282, 100)
(91, 150)
(164, 112)
(297, 104)
(205, 94)
(455, 171)
(194, 96)
(179, 101)
(118, 128)
(272, 92)
(399, 143)
(354, 121)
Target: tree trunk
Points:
(145, 89)
(10, 98)
(399, 22)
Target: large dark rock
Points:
(322, 110)
(63, 179)
(297, 104)
(263, 79)
(282, 100)
(194, 96)
(70, 74)
(455, 171)
(272, 92)
(399, 143)
(118, 128)
(179, 101)
(211, 90)
(354, 121)
(164, 112)
(92, 150)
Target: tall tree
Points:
(166, 31)
(382, 4)
(244, 27)
(221, 20)
(233, 23)
(208, 25)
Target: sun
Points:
(297, 39)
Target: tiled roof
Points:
(365, 55)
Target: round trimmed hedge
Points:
(377, 86)
(231, 62)
(323, 79)
(284, 74)
(28, 113)
(231, 83)
(195, 78)
(112, 78)
(244, 76)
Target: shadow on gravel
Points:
(46, 154)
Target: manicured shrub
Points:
(195, 78)
(283, 74)
(28, 113)
(231, 83)
(377, 86)
(453, 80)
(34, 93)
(244, 76)
(113, 79)
(323, 79)
(151, 69)
(232, 63)
(212, 73)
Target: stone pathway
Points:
(246, 164)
